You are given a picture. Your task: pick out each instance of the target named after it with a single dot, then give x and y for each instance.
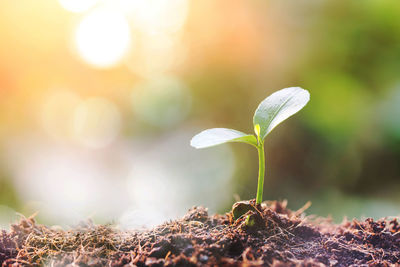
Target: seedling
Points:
(273, 110)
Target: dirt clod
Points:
(269, 235)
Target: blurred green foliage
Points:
(350, 138)
(8, 195)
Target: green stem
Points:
(261, 171)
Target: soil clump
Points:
(261, 235)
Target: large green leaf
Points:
(278, 107)
(216, 136)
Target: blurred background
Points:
(100, 98)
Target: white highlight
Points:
(103, 37)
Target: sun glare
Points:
(77, 6)
(103, 37)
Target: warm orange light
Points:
(77, 5)
(159, 16)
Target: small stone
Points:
(203, 258)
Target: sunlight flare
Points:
(102, 38)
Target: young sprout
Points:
(273, 110)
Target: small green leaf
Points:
(216, 136)
(278, 107)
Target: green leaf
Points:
(278, 107)
(216, 136)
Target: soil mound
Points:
(262, 235)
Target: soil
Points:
(263, 235)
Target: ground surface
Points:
(268, 235)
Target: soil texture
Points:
(259, 235)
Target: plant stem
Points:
(261, 171)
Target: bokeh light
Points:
(161, 102)
(97, 122)
(161, 175)
(103, 37)
(104, 95)
(158, 16)
(156, 54)
(67, 183)
(56, 113)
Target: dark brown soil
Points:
(268, 235)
